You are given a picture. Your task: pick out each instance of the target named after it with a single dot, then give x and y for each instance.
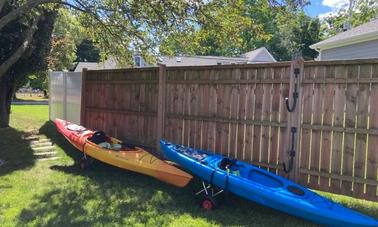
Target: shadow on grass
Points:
(49, 130)
(15, 151)
(107, 195)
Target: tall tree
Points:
(362, 11)
(87, 52)
(67, 34)
(294, 33)
(119, 28)
(281, 26)
(65, 37)
(230, 32)
(24, 45)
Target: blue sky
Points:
(323, 7)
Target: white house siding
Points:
(363, 50)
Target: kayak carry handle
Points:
(291, 152)
(295, 93)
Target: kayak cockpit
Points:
(239, 169)
(264, 179)
(234, 167)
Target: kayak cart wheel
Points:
(209, 203)
(84, 163)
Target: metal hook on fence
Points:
(295, 93)
(291, 152)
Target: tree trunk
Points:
(6, 93)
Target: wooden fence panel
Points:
(338, 121)
(372, 139)
(122, 103)
(284, 143)
(239, 111)
(264, 151)
(326, 136)
(250, 138)
(339, 131)
(230, 110)
(349, 122)
(257, 117)
(306, 109)
(361, 122)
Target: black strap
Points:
(84, 146)
(212, 176)
(226, 183)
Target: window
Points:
(137, 61)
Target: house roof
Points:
(256, 56)
(200, 60)
(88, 65)
(362, 33)
(259, 55)
(108, 64)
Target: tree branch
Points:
(2, 3)
(4, 67)
(14, 14)
(83, 10)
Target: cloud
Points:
(323, 15)
(335, 4)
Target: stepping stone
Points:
(44, 140)
(43, 149)
(48, 159)
(45, 154)
(36, 144)
(32, 137)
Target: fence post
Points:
(82, 101)
(161, 105)
(64, 96)
(294, 118)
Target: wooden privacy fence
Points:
(240, 111)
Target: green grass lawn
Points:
(49, 193)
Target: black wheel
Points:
(209, 203)
(90, 160)
(84, 163)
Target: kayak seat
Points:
(98, 137)
(227, 163)
(231, 166)
(264, 179)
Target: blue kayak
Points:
(263, 187)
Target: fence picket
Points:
(239, 111)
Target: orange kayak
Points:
(134, 159)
